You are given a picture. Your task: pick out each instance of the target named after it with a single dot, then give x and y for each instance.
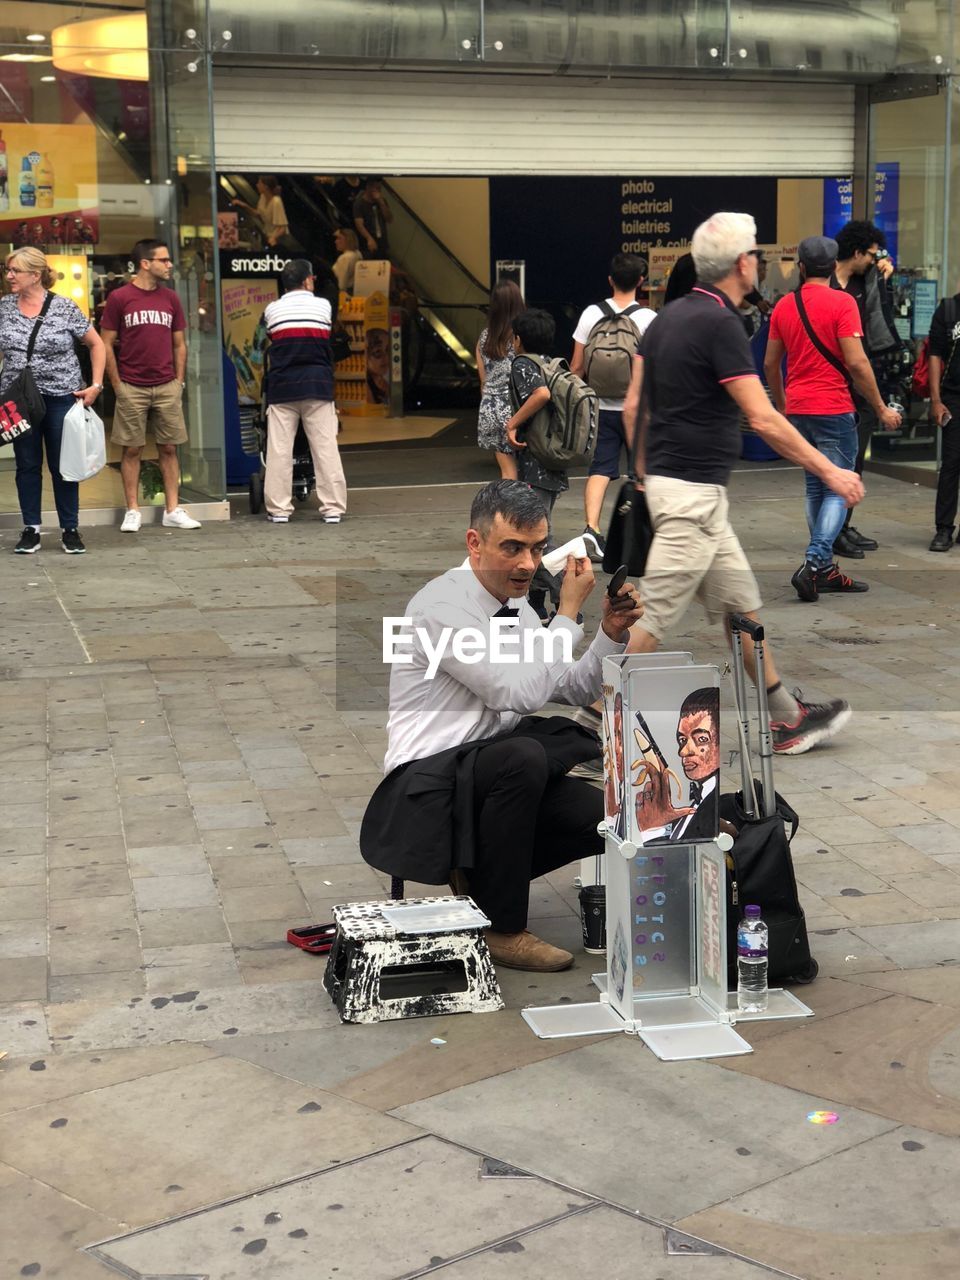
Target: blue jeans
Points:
(835, 435)
(28, 449)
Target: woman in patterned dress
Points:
(494, 357)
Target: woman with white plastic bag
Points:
(83, 448)
(47, 325)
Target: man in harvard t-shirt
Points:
(820, 374)
(143, 330)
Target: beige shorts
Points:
(141, 407)
(695, 553)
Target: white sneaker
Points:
(178, 519)
(278, 519)
(131, 521)
(331, 519)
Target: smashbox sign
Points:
(241, 264)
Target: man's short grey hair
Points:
(512, 499)
(719, 242)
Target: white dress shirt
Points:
(467, 701)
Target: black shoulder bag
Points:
(828, 355)
(23, 393)
(630, 535)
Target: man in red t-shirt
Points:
(819, 330)
(143, 330)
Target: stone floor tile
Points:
(73, 826)
(151, 784)
(349, 881)
(301, 778)
(848, 1216)
(227, 770)
(859, 1073)
(301, 826)
(938, 985)
(23, 1029)
(182, 926)
(934, 889)
(23, 978)
(252, 933)
(693, 1117)
(240, 842)
(100, 952)
(222, 792)
(879, 908)
(30, 1082)
(22, 869)
(888, 859)
(120, 984)
(308, 799)
(89, 882)
(168, 860)
(934, 837)
(236, 873)
(203, 965)
(259, 902)
(829, 877)
(85, 851)
(17, 817)
(22, 844)
(25, 902)
(19, 938)
(44, 1232)
(844, 831)
(220, 817)
(83, 915)
(278, 962)
(166, 893)
(322, 851)
(937, 942)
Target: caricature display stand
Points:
(666, 975)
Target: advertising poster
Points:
(244, 302)
(48, 185)
(838, 203)
(376, 331)
(228, 230)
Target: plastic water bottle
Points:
(752, 938)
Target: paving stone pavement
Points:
(192, 724)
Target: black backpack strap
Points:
(607, 310)
(828, 355)
(36, 328)
(631, 310)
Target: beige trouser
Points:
(320, 426)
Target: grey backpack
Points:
(564, 432)
(609, 351)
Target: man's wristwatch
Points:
(98, 385)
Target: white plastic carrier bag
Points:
(83, 449)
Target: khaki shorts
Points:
(695, 553)
(141, 407)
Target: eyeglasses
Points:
(19, 271)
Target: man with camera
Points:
(476, 788)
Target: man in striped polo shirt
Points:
(299, 387)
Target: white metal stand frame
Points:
(666, 973)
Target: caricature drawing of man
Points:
(698, 746)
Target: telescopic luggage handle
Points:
(739, 624)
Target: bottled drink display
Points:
(752, 937)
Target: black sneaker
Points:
(858, 539)
(818, 721)
(804, 582)
(844, 545)
(832, 578)
(942, 539)
(72, 543)
(596, 546)
(29, 542)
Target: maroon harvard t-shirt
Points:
(145, 321)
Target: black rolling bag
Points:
(759, 866)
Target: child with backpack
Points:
(554, 421)
(604, 344)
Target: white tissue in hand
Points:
(555, 561)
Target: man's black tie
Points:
(696, 792)
(506, 612)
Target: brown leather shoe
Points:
(526, 951)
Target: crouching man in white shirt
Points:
(475, 783)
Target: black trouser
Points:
(866, 426)
(527, 824)
(949, 482)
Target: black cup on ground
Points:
(593, 917)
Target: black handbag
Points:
(24, 393)
(630, 534)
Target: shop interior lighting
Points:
(113, 48)
(36, 38)
(25, 57)
(48, 79)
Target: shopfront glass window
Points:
(105, 140)
(908, 144)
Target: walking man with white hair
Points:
(697, 371)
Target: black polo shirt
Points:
(690, 351)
